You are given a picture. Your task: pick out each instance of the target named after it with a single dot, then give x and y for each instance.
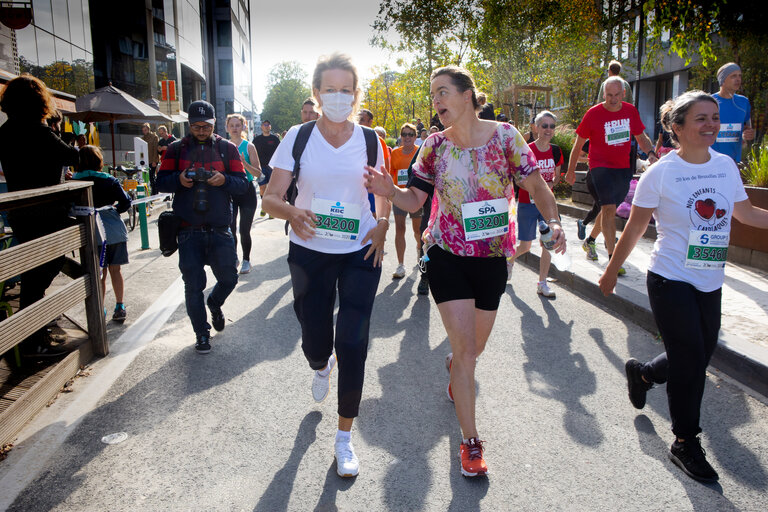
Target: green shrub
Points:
(391, 142)
(564, 137)
(755, 171)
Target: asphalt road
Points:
(238, 429)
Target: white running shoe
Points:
(246, 268)
(399, 273)
(543, 289)
(347, 464)
(320, 384)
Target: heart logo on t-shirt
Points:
(705, 208)
(719, 213)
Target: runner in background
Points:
(245, 203)
(470, 166)
(308, 112)
(528, 214)
(693, 194)
(266, 144)
(735, 113)
(609, 126)
(401, 160)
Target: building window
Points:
(225, 72)
(224, 33)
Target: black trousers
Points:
(689, 323)
(246, 205)
(315, 277)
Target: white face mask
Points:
(337, 106)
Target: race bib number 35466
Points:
(485, 219)
(707, 249)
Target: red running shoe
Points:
(471, 453)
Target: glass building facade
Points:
(56, 47)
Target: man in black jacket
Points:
(204, 171)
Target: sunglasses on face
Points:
(545, 126)
(407, 134)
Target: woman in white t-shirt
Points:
(335, 242)
(692, 193)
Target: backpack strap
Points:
(298, 147)
(372, 150)
(371, 145)
(221, 148)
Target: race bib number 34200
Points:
(485, 219)
(336, 220)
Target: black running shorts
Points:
(454, 277)
(611, 185)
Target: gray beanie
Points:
(726, 70)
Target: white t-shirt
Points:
(693, 206)
(330, 174)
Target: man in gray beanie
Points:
(735, 113)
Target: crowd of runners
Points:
(476, 190)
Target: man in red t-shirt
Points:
(609, 126)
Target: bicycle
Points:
(130, 185)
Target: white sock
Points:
(325, 372)
(343, 436)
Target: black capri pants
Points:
(689, 323)
(315, 277)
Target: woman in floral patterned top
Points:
(470, 166)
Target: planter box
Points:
(747, 236)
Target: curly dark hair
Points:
(27, 96)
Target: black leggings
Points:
(689, 323)
(593, 213)
(246, 203)
(315, 277)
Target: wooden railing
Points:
(85, 286)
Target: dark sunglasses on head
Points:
(404, 134)
(545, 126)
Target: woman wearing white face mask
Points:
(336, 242)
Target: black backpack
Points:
(371, 146)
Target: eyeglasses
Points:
(546, 126)
(403, 134)
(201, 127)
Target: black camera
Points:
(200, 177)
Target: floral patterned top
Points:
(466, 175)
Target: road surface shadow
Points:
(554, 372)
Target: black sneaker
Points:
(635, 384)
(691, 458)
(423, 288)
(203, 345)
(582, 229)
(43, 351)
(217, 316)
(119, 314)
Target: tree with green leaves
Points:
(288, 89)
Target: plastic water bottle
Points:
(561, 261)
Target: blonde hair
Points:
(341, 61)
(241, 117)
